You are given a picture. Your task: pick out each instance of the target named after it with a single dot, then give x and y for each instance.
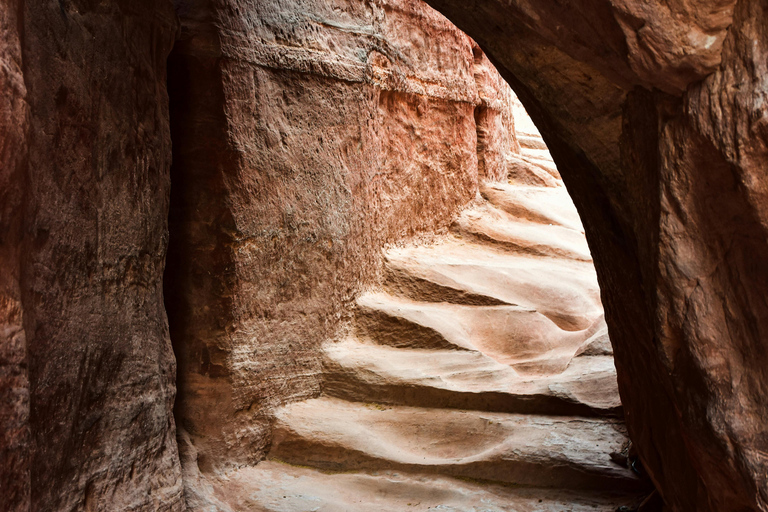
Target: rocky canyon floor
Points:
(478, 377)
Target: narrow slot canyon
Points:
(349, 256)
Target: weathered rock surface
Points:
(542, 451)
(475, 360)
(669, 183)
(670, 187)
(306, 136)
(366, 372)
(276, 487)
(14, 384)
(507, 278)
(84, 159)
(521, 337)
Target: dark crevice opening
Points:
(176, 266)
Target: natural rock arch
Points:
(655, 115)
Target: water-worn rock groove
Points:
(478, 377)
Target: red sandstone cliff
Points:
(305, 137)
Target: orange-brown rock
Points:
(476, 359)
(307, 135)
(670, 186)
(300, 149)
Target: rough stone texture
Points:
(683, 278)
(95, 198)
(523, 449)
(496, 135)
(467, 363)
(467, 379)
(276, 487)
(14, 384)
(671, 189)
(306, 136)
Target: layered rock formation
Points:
(306, 135)
(655, 115)
(295, 162)
(484, 356)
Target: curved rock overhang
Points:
(654, 114)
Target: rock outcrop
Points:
(654, 113)
(309, 134)
(299, 149)
(306, 136)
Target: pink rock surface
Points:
(464, 367)
(276, 487)
(329, 130)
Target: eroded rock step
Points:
(564, 291)
(277, 487)
(544, 451)
(535, 204)
(524, 173)
(537, 154)
(531, 141)
(521, 337)
(492, 225)
(466, 380)
(486, 357)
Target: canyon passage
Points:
(315, 255)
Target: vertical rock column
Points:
(14, 383)
(496, 138)
(101, 367)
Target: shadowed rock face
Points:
(672, 192)
(300, 148)
(83, 231)
(14, 384)
(482, 359)
(655, 113)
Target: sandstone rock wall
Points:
(84, 195)
(496, 136)
(306, 136)
(654, 113)
(655, 116)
